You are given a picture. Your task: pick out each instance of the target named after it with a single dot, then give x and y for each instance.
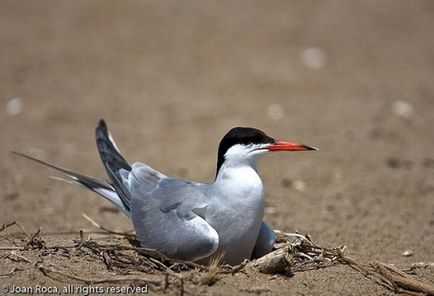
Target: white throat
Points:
(239, 181)
(242, 173)
(238, 176)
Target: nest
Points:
(132, 264)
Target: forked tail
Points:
(98, 186)
(115, 166)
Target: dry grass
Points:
(133, 264)
(213, 274)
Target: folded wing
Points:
(170, 218)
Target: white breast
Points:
(236, 211)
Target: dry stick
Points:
(75, 232)
(10, 273)
(375, 276)
(176, 262)
(392, 276)
(401, 279)
(157, 255)
(291, 234)
(17, 257)
(32, 238)
(167, 269)
(392, 268)
(105, 229)
(98, 248)
(11, 248)
(4, 226)
(151, 254)
(274, 262)
(234, 269)
(409, 293)
(58, 233)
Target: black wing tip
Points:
(101, 128)
(102, 124)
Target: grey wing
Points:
(141, 177)
(171, 220)
(264, 242)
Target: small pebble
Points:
(14, 106)
(314, 58)
(407, 253)
(299, 185)
(270, 210)
(402, 109)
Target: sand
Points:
(352, 78)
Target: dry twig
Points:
(4, 226)
(7, 225)
(293, 253)
(401, 279)
(10, 273)
(94, 223)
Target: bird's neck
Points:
(240, 187)
(240, 174)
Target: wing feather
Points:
(167, 219)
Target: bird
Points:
(188, 220)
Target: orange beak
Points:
(289, 146)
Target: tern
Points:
(188, 220)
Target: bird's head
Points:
(243, 144)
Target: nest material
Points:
(293, 253)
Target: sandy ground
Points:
(352, 78)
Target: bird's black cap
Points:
(243, 136)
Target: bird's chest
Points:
(240, 214)
(237, 214)
(240, 195)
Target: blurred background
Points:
(354, 78)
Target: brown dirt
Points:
(171, 78)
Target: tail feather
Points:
(113, 162)
(93, 184)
